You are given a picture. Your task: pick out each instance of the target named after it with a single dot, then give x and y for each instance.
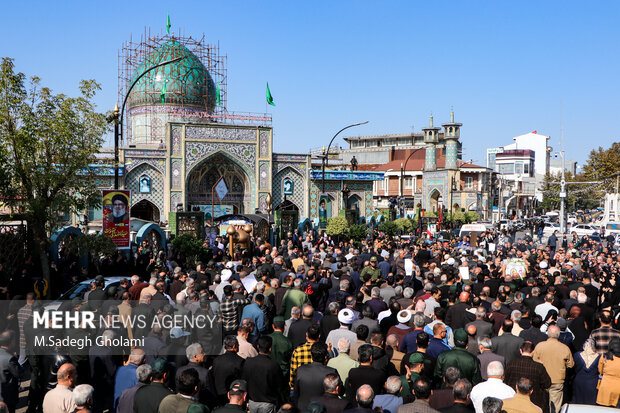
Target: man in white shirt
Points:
(60, 399)
(543, 309)
(493, 387)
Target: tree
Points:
(603, 164)
(188, 246)
(404, 225)
(389, 227)
(471, 216)
(94, 245)
(358, 232)
(47, 141)
(337, 226)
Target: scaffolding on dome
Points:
(133, 53)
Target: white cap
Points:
(403, 316)
(346, 316)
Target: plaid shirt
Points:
(230, 310)
(524, 366)
(301, 356)
(23, 314)
(602, 336)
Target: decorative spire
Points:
(451, 114)
(431, 120)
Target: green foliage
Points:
(358, 232)
(95, 245)
(551, 191)
(389, 227)
(188, 246)
(471, 216)
(47, 141)
(404, 225)
(603, 164)
(458, 217)
(337, 226)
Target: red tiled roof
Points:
(416, 162)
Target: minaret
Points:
(431, 137)
(452, 133)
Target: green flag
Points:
(163, 93)
(168, 25)
(218, 96)
(269, 97)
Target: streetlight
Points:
(118, 120)
(326, 154)
(562, 194)
(403, 167)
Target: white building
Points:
(534, 142)
(555, 166)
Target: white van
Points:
(612, 228)
(467, 229)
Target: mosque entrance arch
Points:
(206, 174)
(433, 201)
(145, 210)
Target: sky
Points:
(507, 67)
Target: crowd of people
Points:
(399, 325)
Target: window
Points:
(408, 182)
(469, 182)
(94, 213)
(404, 142)
(491, 160)
(390, 142)
(381, 184)
(506, 168)
(372, 144)
(519, 167)
(357, 144)
(526, 168)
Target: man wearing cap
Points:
(237, 396)
(148, 398)
(174, 353)
(281, 347)
(459, 357)
(371, 273)
(345, 318)
(401, 329)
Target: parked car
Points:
(78, 291)
(504, 224)
(549, 228)
(584, 229)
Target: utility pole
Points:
(562, 196)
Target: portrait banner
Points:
(323, 201)
(116, 216)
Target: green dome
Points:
(188, 82)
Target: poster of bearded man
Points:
(116, 216)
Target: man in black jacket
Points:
(264, 378)
(196, 357)
(364, 374)
(309, 377)
(297, 331)
(148, 398)
(10, 371)
(331, 398)
(461, 390)
(226, 368)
